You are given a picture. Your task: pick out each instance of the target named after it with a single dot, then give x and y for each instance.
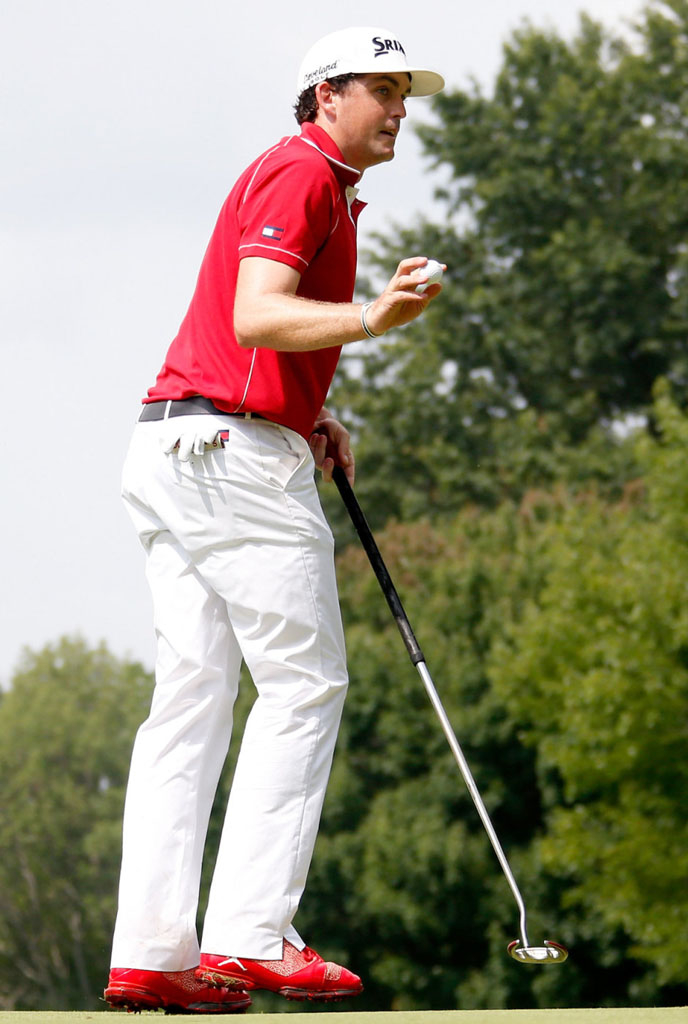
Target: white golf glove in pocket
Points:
(190, 438)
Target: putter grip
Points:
(379, 568)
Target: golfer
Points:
(219, 483)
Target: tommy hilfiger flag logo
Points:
(270, 231)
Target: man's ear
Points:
(325, 95)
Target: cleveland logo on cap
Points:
(320, 74)
(383, 46)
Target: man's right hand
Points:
(399, 303)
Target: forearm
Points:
(269, 314)
(290, 323)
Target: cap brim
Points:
(423, 82)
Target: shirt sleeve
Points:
(287, 212)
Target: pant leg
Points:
(249, 519)
(286, 616)
(178, 753)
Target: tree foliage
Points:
(596, 672)
(555, 631)
(66, 730)
(565, 233)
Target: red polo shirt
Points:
(295, 204)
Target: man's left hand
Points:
(330, 444)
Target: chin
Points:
(378, 158)
(386, 156)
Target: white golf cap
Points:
(363, 51)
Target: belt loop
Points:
(168, 406)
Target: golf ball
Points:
(431, 273)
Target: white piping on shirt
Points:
(248, 380)
(351, 190)
(332, 159)
(336, 225)
(253, 178)
(273, 248)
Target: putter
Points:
(522, 951)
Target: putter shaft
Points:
(475, 794)
(551, 952)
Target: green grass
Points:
(660, 1015)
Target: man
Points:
(219, 484)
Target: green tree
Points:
(565, 233)
(67, 725)
(404, 882)
(596, 675)
(554, 632)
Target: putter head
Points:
(550, 953)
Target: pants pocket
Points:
(283, 454)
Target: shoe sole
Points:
(136, 1000)
(327, 996)
(297, 994)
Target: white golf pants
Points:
(240, 565)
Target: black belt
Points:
(188, 407)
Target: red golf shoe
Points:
(174, 992)
(300, 974)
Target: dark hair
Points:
(306, 106)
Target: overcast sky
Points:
(123, 126)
